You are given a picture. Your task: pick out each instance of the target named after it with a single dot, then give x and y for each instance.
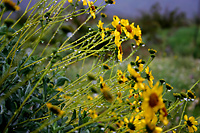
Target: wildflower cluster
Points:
(55, 78)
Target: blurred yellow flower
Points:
(93, 114)
(152, 101)
(54, 109)
(11, 5)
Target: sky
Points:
(132, 8)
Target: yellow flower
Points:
(137, 35)
(120, 53)
(169, 87)
(150, 126)
(120, 123)
(106, 91)
(130, 124)
(119, 97)
(116, 23)
(127, 28)
(89, 97)
(54, 109)
(163, 116)
(101, 79)
(70, 1)
(152, 101)
(122, 79)
(92, 9)
(107, 94)
(105, 66)
(60, 89)
(152, 51)
(139, 63)
(118, 30)
(103, 15)
(150, 77)
(191, 94)
(93, 114)
(137, 78)
(119, 72)
(191, 123)
(11, 5)
(100, 26)
(84, 2)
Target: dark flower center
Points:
(148, 77)
(118, 27)
(131, 126)
(136, 37)
(153, 101)
(129, 29)
(190, 95)
(120, 49)
(165, 111)
(93, 8)
(54, 110)
(189, 123)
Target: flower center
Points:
(120, 49)
(189, 123)
(118, 27)
(165, 111)
(129, 29)
(136, 37)
(131, 126)
(153, 101)
(93, 8)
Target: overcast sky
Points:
(132, 8)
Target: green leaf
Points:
(61, 81)
(73, 115)
(80, 120)
(45, 86)
(68, 128)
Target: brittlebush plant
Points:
(57, 76)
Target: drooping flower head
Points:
(92, 9)
(110, 1)
(150, 77)
(106, 91)
(100, 26)
(54, 109)
(11, 5)
(191, 94)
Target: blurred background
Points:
(172, 28)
